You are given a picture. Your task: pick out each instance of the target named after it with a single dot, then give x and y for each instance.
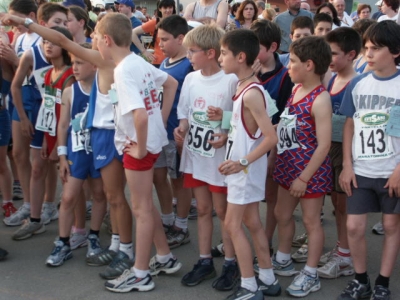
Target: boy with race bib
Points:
(303, 168)
(371, 156)
(204, 148)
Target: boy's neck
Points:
(119, 53)
(346, 73)
(269, 65)
(179, 55)
(58, 63)
(211, 69)
(311, 82)
(245, 76)
(80, 38)
(86, 84)
(388, 72)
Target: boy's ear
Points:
(211, 54)
(310, 65)
(108, 40)
(82, 22)
(352, 55)
(241, 57)
(274, 47)
(32, 15)
(180, 39)
(43, 23)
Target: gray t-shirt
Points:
(284, 21)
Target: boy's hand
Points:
(229, 167)
(43, 150)
(7, 52)
(271, 163)
(150, 56)
(214, 113)
(64, 169)
(256, 66)
(393, 183)
(53, 157)
(298, 188)
(11, 20)
(134, 150)
(27, 128)
(219, 140)
(179, 135)
(346, 179)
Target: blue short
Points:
(5, 127)
(81, 164)
(103, 147)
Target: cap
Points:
(379, 3)
(126, 2)
(79, 3)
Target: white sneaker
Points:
(77, 240)
(303, 284)
(17, 218)
(327, 256)
(378, 229)
(300, 240)
(301, 254)
(337, 266)
(49, 213)
(128, 282)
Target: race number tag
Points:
(370, 138)
(200, 132)
(39, 78)
(80, 140)
(287, 137)
(229, 143)
(393, 126)
(160, 95)
(46, 120)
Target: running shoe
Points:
(337, 266)
(381, 293)
(272, 290)
(178, 238)
(378, 229)
(17, 192)
(304, 284)
(28, 229)
(301, 254)
(242, 293)
(59, 254)
(285, 269)
(218, 251)
(192, 213)
(77, 240)
(327, 256)
(103, 258)
(355, 290)
(9, 209)
(170, 267)
(128, 282)
(118, 265)
(299, 240)
(49, 213)
(93, 242)
(17, 218)
(230, 276)
(201, 271)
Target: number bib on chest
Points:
(287, 138)
(370, 138)
(39, 78)
(46, 120)
(200, 132)
(80, 140)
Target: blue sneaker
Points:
(272, 290)
(303, 284)
(118, 265)
(286, 269)
(59, 254)
(244, 294)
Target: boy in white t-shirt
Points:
(204, 149)
(140, 135)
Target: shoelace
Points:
(124, 275)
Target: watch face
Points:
(243, 162)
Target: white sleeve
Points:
(159, 76)
(129, 97)
(184, 101)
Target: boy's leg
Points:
(49, 210)
(271, 196)
(164, 193)
(5, 175)
(356, 225)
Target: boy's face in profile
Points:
(379, 58)
(168, 44)
(58, 19)
(340, 60)
(227, 60)
(265, 54)
(198, 57)
(82, 69)
(322, 28)
(299, 33)
(101, 45)
(296, 68)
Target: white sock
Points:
(202, 256)
(194, 202)
(127, 249)
(174, 201)
(168, 219)
(181, 223)
(312, 271)
(140, 273)
(162, 259)
(27, 205)
(250, 284)
(114, 243)
(344, 251)
(282, 257)
(267, 276)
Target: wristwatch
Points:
(243, 162)
(27, 22)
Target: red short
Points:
(144, 164)
(306, 196)
(51, 142)
(190, 182)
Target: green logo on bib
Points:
(201, 117)
(48, 102)
(375, 118)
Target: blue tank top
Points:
(177, 70)
(360, 69)
(40, 64)
(79, 101)
(337, 98)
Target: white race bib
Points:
(370, 138)
(200, 132)
(39, 78)
(229, 143)
(287, 138)
(46, 120)
(80, 140)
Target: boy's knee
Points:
(355, 228)
(391, 226)
(221, 212)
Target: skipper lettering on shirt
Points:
(150, 98)
(374, 102)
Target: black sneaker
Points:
(242, 293)
(355, 290)
(103, 258)
(218, 251)
(200, 272)
(272, 290)
(118, 265)
(380, 293)
(229, 278)
(3, 254)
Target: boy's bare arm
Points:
(347, 177)
(169, 91)
(62, 131)
(138, 150)
(188, 15)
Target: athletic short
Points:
(103, 147)
(144, 164)
(306, 196)
(37, 140)
(169, 158)
(5, 127)
(336, 155)
(189, 182)
(370, 196)
(81, 164)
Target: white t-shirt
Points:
(198, 92)
(136, 84)
(346, 21)
(385, 17)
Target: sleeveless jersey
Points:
(177, 70)
(55, 90)
(101, 111)
(248, 185)
(293, 160)
(39, 68)
(336, 98)
(360, 69)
